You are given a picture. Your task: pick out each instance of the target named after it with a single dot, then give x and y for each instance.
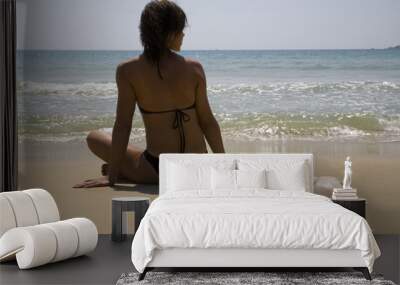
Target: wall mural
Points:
(332, 103)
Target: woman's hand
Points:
(97, 182)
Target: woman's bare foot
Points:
(104, 169)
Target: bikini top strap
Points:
(180, 118)
(166, 111)
(190, 107)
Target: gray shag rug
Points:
(231, 278)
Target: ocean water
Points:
(255, 95)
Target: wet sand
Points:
(57, 166)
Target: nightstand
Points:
(139, 205)
(357, 205)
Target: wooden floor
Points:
(111, 259)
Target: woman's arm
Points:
(123, 122)
(207, 121)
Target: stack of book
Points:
(344, 194)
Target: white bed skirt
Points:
(212, 257)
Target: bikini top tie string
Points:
(180, 118)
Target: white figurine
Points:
(347, 174)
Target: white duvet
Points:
(250, 219)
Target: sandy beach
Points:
(57, 166)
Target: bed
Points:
(247, 210)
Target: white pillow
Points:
(251, 178)
(282, 174)
(223, 179)
(193, 174)
(182, 177)
(231, 180)
(291, 178)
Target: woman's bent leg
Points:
(134, 166)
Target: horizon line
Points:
(217, 49)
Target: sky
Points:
(213, 24)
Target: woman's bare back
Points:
(176, 90)
(175, 108)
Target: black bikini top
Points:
(180, 118)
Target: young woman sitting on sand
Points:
(170, 91)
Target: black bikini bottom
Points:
(153, 160)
